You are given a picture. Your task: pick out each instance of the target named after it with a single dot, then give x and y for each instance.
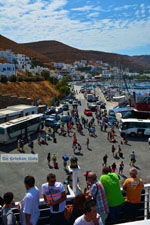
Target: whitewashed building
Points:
(7, 69)
(106, 74)
(23, 62)
(8, 55)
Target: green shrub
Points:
(13, 78)
(3, 79)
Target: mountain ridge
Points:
(55, 51)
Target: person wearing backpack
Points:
(8, 217)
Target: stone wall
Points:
(6, 100)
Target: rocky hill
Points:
(144, 59)
(6, 43)
(35, 90)
(59, 52)
(53, 51)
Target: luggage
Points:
(56, 165)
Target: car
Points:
(65, 118)
(103, 106)
(82, 90)
(112, 120)
(59, 109)
(50, 111)
(99, 103)
(75, 103)
(65, 107)
(93, 108)
(88, 112)
(54, 116)
(50, 122)
(111, 113)
(70, 101)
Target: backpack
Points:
(4, 217)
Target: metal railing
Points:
(147, 201)
(144, 211)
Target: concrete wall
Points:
(6, 100)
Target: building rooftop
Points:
(19, 120)
(21, 107)
(6, 111)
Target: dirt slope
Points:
(35, 90)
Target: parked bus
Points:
(135, 127)
(22, 127)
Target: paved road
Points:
(12, 174)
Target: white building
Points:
(131, 74)
(106, 74)
(8, 55)
(38, 69)
(81, 63)
(59, 65)
(7, 69)
(23, 62)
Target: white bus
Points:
(10, 131)
(135, 126)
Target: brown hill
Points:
(144, 59)
(59, 52)
(35, 90)
(6, 43)
(53, 51)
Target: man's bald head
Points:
(133, 172)
(92, 175)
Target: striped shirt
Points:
(54, 193)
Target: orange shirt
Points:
(133, 187)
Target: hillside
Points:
(35, 90)
(54, 51)
(6, 43)
(144, 59)
(59, 52)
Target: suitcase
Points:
(56, 165)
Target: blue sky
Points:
(118, 26)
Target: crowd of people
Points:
(99, 204)
(102, 200)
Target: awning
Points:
(125, 109)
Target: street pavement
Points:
(12, 174)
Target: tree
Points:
(45, 74)
(3, 79)
(29, 74)
(53, 80)
(36, 62)
(13, 78)
(20, 79)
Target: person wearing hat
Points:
(133, 187)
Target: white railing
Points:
(146, 195)
(147, 202)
